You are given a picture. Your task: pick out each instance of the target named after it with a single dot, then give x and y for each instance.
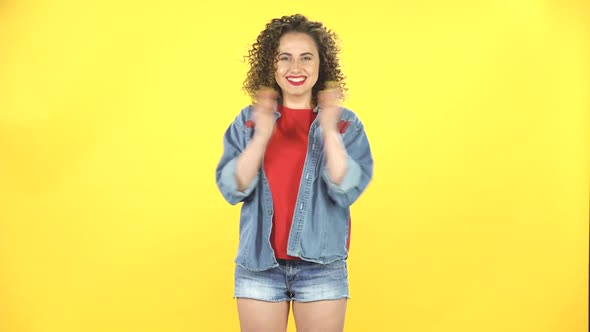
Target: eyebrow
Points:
(286, 53)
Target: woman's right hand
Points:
(264, 106)
(250, 161)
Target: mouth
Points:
(296, 80)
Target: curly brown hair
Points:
(262, 55)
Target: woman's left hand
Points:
(330, 110)
(330, 113)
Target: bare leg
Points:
(320, 316)
(262, 316)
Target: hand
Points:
(330, 110)
(264, 106)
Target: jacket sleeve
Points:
(359, 167)
(234, 142)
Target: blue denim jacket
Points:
(321, 219)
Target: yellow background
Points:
(111, 120)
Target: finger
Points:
(265, 105)
(265, 93)
(265, 100)
(328, 99)
(331, 85)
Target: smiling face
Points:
(296, 70)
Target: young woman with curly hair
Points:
(297, 160)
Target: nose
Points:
(296, 64)
(295, 67)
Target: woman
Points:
(297, 160)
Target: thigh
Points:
(325, 316)
(262, 316)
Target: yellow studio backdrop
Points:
(111, 122)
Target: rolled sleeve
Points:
(352, 178)
(234, 143)
(228, 184)
(359, 168)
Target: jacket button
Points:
(270, 212)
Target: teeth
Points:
(298, 79)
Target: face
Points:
(297, 67)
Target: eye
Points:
(306, 58)
(284, 58)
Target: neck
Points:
(297, 102)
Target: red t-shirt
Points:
(283, 165)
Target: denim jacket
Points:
(321, 219)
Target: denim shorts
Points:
(294, 280)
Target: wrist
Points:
(329, 130)
(262, 136)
